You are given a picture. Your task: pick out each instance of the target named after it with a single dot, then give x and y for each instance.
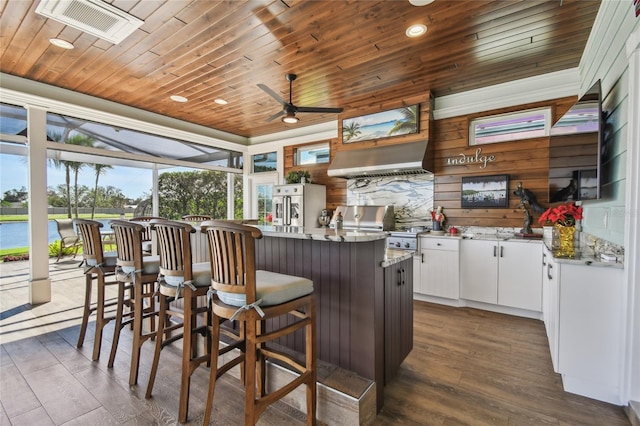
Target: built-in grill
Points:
(378, 218)
(365, 218)
(405, 239)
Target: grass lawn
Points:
(19, 251)
(24, 217)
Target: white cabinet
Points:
(584, 326)
(436, 267)
(550, 301)
(506, 273)
(479, 270)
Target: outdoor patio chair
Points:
(68, 237)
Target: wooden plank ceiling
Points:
(345, 53)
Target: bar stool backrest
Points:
(196, 217)
(128, 237)
(146, 233)
(174, 248)
(91, 241)
(232, 257)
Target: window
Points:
(312, 154)
(528, 124)
(265, 162)
(265, 209)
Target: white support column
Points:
(631, 366)
(231, 208)
(39, 280)
(155, 197)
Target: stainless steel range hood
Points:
(388, 160)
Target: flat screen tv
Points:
(575, 146)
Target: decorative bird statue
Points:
(527, 196)
(566, 192)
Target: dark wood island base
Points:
(364, 297)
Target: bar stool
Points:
(250, 296)
(98, 265)
(179, 278)
(147, 238)
(137, 274)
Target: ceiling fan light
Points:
(290, 118)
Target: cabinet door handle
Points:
(438, 244)
(544, 256)
(494, 251)
(422, 255)
(501, 251)
(549, 266)
(399, 277)
(403, 274)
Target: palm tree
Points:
(351, 131)
(82, 140)
(61, 138)
(99, 170)
(407, 125)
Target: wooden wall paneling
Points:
(525, 161)
(336, 187)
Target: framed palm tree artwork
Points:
(396, 122)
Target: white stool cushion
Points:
(109, 259)
(147, 246)
(201, 276)
(150, 265)
(273, 288)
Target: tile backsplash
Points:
(411, 196)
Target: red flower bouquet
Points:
(564, 214)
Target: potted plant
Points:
(295, 176)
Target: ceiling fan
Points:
(289, 109)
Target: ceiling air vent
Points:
(91, 16)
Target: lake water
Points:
(16, 234)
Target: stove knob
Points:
(407, 245)
(398, 244)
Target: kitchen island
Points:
(363, 292)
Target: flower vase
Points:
(565, 240)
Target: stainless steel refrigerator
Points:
(298, 204)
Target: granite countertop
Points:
(393, 256)
(584, 255)
(322, 234)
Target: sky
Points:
(131, 181)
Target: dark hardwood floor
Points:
(472, 367)
(467, 367)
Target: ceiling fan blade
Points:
(273, 94)
(319, 109)
(274, 116)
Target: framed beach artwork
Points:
(485, 191)
(396, 122)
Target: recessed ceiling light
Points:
(416, 30)
(61, 43)
(178, 98)
(421, 2)
(220, 101)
